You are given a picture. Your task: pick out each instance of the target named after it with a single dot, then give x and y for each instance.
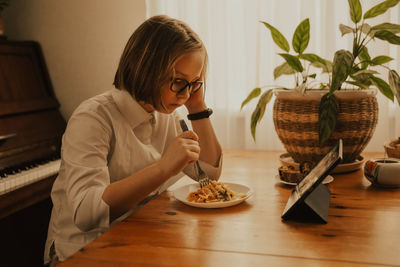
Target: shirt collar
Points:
(133, 112)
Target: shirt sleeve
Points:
(86, 144)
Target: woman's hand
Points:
(196, 103)
(183, 150)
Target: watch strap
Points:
(200, 115)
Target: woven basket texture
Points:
(393, 148)
(296, 123)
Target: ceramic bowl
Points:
(383, 172)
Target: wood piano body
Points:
(31, 129)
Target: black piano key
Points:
(11, 171)
(27, 166)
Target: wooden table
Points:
(363, 228)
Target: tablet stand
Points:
(315, 206)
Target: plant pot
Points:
(296, 122)
(392, 148)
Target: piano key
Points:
(25, 177)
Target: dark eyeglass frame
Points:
(187, 84)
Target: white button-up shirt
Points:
(108, 138)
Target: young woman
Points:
(124, 147)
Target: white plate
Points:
(287, 160)
(181, 194)
(327, 180)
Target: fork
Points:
(202, 177)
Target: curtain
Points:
(242, 56)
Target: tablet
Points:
(314, 178)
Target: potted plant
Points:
(308, 118)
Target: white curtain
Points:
(243, 56)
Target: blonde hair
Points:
(150, 54)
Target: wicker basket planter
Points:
(392, 148)
(296, 122)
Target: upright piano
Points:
(31, 128)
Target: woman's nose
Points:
(184, 93)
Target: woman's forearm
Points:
(210, 148)
(125, 194)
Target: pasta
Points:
(214, 192)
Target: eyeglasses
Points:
(178, 86)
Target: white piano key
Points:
(18, 180)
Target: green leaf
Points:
(379, 60)
(355, 10)
(394, 81)
(328, 112)
(317, 61)
(380, 8)
(393, 28)
(283, 69)
(301, 36)
(365, 28)
(358, 84)
(263, 101)
(365, 72)
(253, 94)
(383, 87)
(356, 48)
(312, 58)
(293, 61)
(258, 112)
(327, 68)
(364, 57)
(342, 63)
(364, 54)
(312, 75)
(388, 36)
(278, 37)
(346, 29)
(354, 69)
(362, 78)
(323, 86)
(254, 120)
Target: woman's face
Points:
(187, 67)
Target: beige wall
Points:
(81, 41)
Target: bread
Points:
(290, 174)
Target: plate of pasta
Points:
(215, 195)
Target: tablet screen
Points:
(318, 171)
(314, 177)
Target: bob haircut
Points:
(149, 57)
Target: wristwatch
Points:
(200, 115)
